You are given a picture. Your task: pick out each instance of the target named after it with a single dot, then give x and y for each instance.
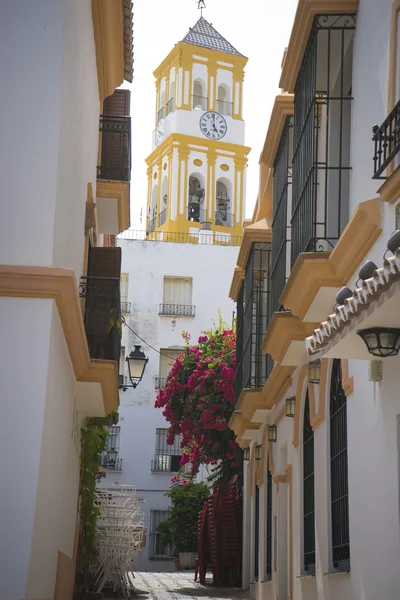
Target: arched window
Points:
(199, 99)
(224, 106)
(308, 491)
(223, 216)
(171, 101)
(268, 566)
(339, 474)
(152, 216)
(196, 198)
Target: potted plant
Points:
(180, 529)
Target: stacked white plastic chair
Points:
(120, 537)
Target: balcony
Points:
(166, 463)
(126, 307)
(170, 106)
(199, 102)
(160, 114)
(225, 108)
(102, 316)
(112, 464)
(160, 382)
(115, 148)
(177, 310)
(162, 217)
(386, 142)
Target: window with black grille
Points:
(167, 457)
(268, 568)
(282, 201)
(252, 311)
(321, 136)
(256, 531)
(109, 457)
(156, 548)
(308, 491)
(239, 343)
(339, 473)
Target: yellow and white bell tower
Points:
(196, 171)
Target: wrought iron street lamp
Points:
(137, 361)
(290, 406)
(314, 371)
(381, 341)
(272, 433)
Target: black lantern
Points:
(272, 432)
(137, 361)
(258, 452)
(246, 453)
(381, 341)
(290, 406)
(314, 371)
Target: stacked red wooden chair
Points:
(203, 554)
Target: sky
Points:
(259, 29)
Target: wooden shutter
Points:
(124, 287)
(104, 262)
(167, 359)
(118, 104)
(177, 290)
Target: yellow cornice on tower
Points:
(305, 13)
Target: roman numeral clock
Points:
(196, 170)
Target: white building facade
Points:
(321, 487)
(170, 288)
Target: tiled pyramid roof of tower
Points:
(203, 34)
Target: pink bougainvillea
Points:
(198, 401)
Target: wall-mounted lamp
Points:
(246, 453)
(137, 361)
(381, 341)
(272, 433)
(290, 406)
(258, 452)
(314, 371)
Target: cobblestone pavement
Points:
(179, 585)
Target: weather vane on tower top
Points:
(200, 5)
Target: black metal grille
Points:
(224, 219)
(281, 207)
(321, 136)
(339, 473)
(112, 464)
(196, 214)
(256, 531)
(115, 148)
(239, 344)
(185, 310)
(156, 548)
(268, 569)
(102, 316)
(160, 382)
(308, 491)
(255, 364)
(386, 142)
(126, 307)
(109, 456)
(167, 457)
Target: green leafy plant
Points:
(180, 529)
(93, 439)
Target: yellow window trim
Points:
(121, 191)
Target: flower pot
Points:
(187, 560)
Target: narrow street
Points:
(179, 585)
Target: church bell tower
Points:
(196, 170)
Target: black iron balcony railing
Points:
(166, 463)
(126, 307)
(115, 148)
(122, 379)
(199, 102)
(177, 310)
(102, 316)
(170, 105)
(162, 217)
(224, 219)
(386, 142)
(157, 549)
(113, 464)
(196, 214)
(225, 108)
(160, 114)
(160, 383)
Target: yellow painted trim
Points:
(264, 205)
(238, 423)
(275, 383)
(390, 190)
(314, 270)
(347, 381)
(257, 232)
(263, 455)
(283, 329)
(319, 416)
(238, 276)
(303, 374)
(283, 107)
(249, 401)
(60, 286)
(108, 29)
(306, 10)
(121, 191)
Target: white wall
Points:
(146, 262)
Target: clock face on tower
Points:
(213, 125)
(159, 135)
